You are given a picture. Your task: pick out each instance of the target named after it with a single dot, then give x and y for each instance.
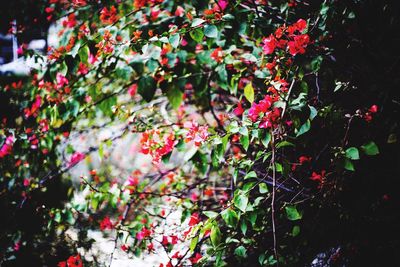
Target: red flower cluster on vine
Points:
(290, 38)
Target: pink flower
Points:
(132, 89)
(7, 146)
(270, 43)
(76, 158)
(143, 233)
(61, 80)
(196, 133)
(82, 69)
(238, 110)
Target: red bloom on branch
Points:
(318, 177)
(238, 110)
(108, 16)
(7, 146)
(194, 219)
(373, 109)
(298, 45)
(196, 258)
(106, 224)
(75, 261)
(196, 133)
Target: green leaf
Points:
(84, 53)
(348, 165)
(147, 87)
(292, 213)
(230, 217)
(240, 252)
(211, 31)
(215, 235)
(352, 153)
(251, 174)
(174, 40)
(266, 139)
(263, 188)
(370, 149)
(304, 128)
(241, 202)
(197, 35)
(295, 230)
(243, 227)
(175, 97)
(249, 92)
(197, 22)
(210, 214)
(193, 243)
(244, 140)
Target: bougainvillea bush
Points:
(266, 129)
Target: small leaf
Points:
(348, 165)
(352, 153)
(193, 243)
(230, 217)
(263, 188)
(197, 22)
(249, 92)
(211, 31)
(292, 213)
(215, 235)
(240, 252)
(241, 202)
(197, 35)
(147, 87)
(243, 227)
(174, 40)
(304, 128)
(244, 140)
(266, 139)
(210, 214)
(295, 230)
(370, 149)
(175, 97)
(251, 174)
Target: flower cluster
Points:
(265, 113)
(7, 146)
(196, 133)
(156, 144)
(290, 38)
(72, 261)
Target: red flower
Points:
(196, 133)
(143, 233)
(195, 259)
(106, 224)
(75, 261)
(298, 45)
(304, 159)
(373, 109)
(217, 55)
(318, 177)
(108, 16)
(194, 219)
(82, 69)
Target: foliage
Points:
(251, 129)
